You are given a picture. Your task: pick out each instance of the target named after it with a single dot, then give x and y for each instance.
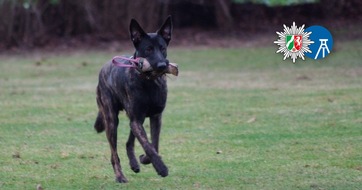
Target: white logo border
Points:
(293, 30)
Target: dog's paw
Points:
(121, 179)
(134, 165)
(160, 167)
(144, 159)
(136, 169)
(162, 171)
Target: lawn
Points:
(237, 118)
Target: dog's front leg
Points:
(130, 153)
(155, 123)
(139, 132)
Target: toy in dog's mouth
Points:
(171, 69)
(145, 67)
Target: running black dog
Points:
(140, 94)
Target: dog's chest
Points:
(154, 98)
(144, 97)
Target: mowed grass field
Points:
(237, 118)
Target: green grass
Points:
(276, 125)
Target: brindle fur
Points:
(140, 95)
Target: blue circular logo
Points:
(323, 42)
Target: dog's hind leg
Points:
(111, 131)
(140, 134)
(110, 116)
(130, 153)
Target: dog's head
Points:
(152, 46)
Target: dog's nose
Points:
(161, 66)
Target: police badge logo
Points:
(293, 42)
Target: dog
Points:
(140, 95)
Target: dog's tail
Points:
(99, 124)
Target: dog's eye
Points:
(149, 50)
(163, 49)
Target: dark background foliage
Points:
(36, 23)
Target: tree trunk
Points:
(224, 19)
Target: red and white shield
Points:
(297, 42)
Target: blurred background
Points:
(27, 24)
(238, 116)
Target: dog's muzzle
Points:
(161, 66)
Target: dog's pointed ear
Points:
(136, 32)
(166, 30)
